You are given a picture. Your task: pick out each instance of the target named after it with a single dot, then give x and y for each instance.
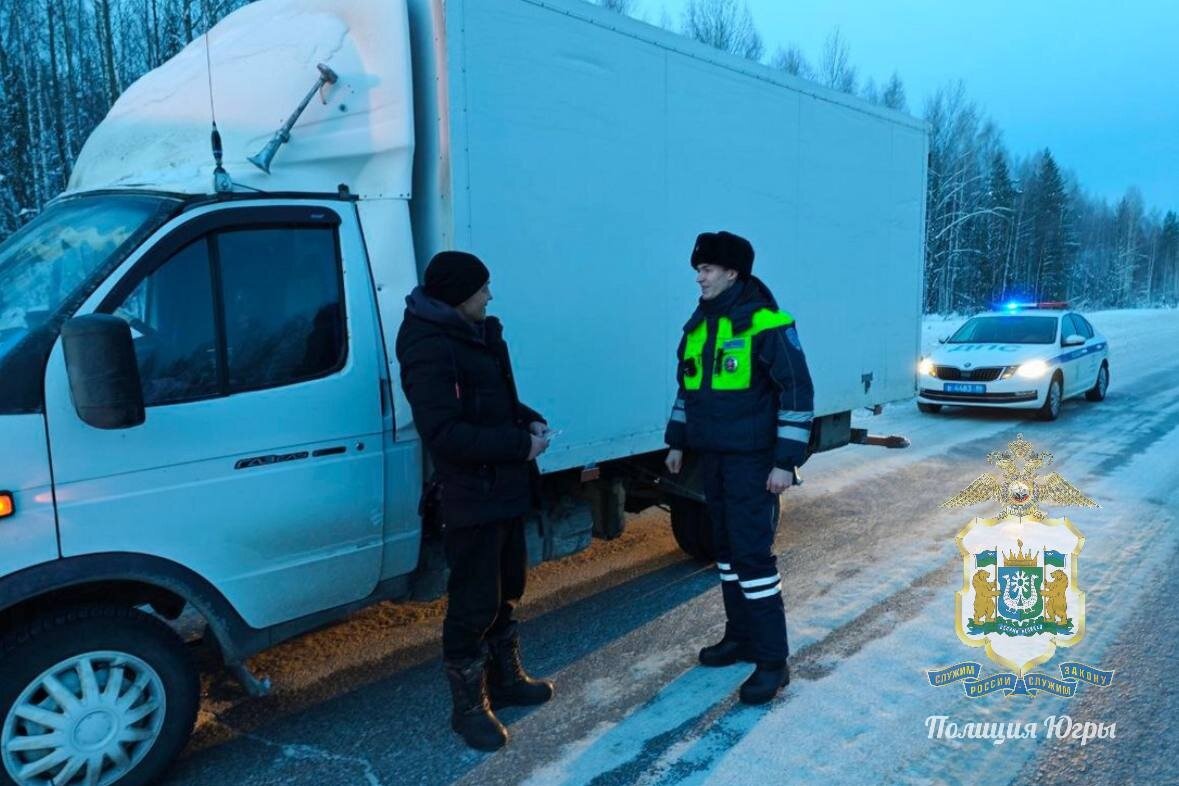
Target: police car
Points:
(1022, 356)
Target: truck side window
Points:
(284, 315)
(171, 318)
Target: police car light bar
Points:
(1015, 305)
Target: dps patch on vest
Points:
(792, 337)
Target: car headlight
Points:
(1033, 369)
(925, 367)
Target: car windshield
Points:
(1006, 330)
(50, 265)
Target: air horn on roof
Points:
(263, 158)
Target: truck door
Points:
(259, 465)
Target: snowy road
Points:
(871, 569)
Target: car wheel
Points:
(692, 528)
(94, 695)
(929, 409)
(1097, 392)
(1053, 401)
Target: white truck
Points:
(199, 404)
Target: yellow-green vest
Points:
(732, 368)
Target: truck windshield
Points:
(1006, 330)
(49, 266)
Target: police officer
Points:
(745, 408)
(483, 442)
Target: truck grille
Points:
(952, 373)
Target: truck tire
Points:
(94, 687)
(692, 528)
(929, 409)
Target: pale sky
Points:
(1096, 81)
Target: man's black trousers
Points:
(744, 519)
(488, 564)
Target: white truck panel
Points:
(585, 152)
(30, 535)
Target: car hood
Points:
(990, 355)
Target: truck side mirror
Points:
(103, 372)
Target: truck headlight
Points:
(1033, 369)
(925, 367)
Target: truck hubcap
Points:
(88, 720)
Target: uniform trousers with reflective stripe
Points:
(744, 519)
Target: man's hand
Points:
(674, 461)
(539, 445)
(538, 428)
(779, 480)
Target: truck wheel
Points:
(1097, 392)
(929, 409)
(1052, 401)
(94, 695)
(692, 528)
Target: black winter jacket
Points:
(776, 410)
(458, 379)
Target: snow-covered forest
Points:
(1001, 223)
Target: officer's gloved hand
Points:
(674, 461)
(779, 480)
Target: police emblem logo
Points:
(731, 364)
(1021, 597)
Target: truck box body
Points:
(579, 153)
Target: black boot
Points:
(507, 683)
(726, 652)
(472, 717)
(765, 682)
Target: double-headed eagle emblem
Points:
(1020, 490)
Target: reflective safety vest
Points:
(732, 367)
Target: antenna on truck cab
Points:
(222, 183)
(264, 156)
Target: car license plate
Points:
(962, 387)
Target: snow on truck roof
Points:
(264, 59)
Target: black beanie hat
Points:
(724, 249)
(453, 276)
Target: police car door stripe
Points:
(789, 416)
(762, 582)
(774, 590)
(796, 433)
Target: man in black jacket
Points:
(745, 407)
(458, 378)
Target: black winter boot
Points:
(472, 717)
(765, 682)
(726, 652)
(507, 683)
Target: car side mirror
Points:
(1073, 341)
(103, 372)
